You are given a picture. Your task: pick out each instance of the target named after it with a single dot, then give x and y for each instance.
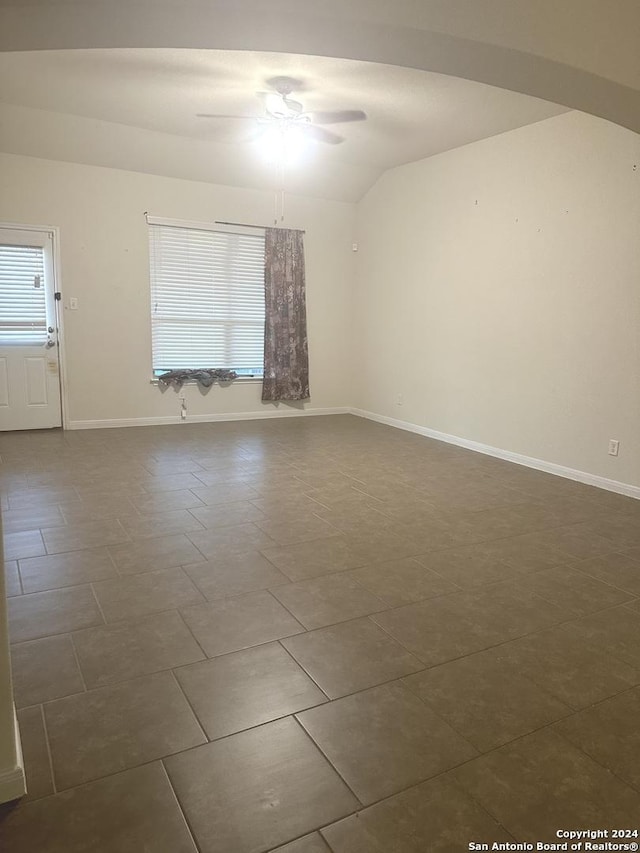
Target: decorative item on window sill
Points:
(203, 376)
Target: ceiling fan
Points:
(283, 112)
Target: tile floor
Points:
(313, 635)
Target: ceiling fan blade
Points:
(224, 115)
(322, 135)
(291, 105)
(337, 116)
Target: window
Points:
(207, 297)
(23, 308)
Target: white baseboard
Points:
(13, 783)
(528, 461)
(207, 418)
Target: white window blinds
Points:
(23, 310)
(207, 299)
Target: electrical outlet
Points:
(614, 447)
(399, 400)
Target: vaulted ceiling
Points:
(137, 109)
(117, 82)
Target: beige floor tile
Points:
(609, 734)
(541, 783)
(90, 534)
(616, 631)
(402, 581)
(14, 520)
(322, 479)
(451, 626)
(25, 543)
(619, 570)
(309, 844)
(287, 507)
(576, 593)
(114, 728)
(69, 569)
(258, 789)
(12, 578)
(621, 529)
(234, 575)
(577, 541)
(231, 624)
(536, 577)
(148, 592)
(104, 486)
(145, 555)
(490, 562)
(247, 688)
(351, 656)
(43, 497)
(303, 530)
(167, 466)
(58, 611)
(384, 740)
(154, 502)
(486, 700)
(566, 665)
(221, 542)
(225, 493)
(216, 476)
(173, 482)
(343, 494)
(224, 515)
(44, 669)
(312, 559)
(383, 545)
(435, 816)
(327, 600)
(437, 535)
(358, 521)
(96, 509)
(147, 816)
(35, 754)
(160, 524)
(123, 650)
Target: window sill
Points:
(242, 380)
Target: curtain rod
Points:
(262, 227)
(177, 223)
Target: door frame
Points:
(54, 232)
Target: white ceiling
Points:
(136, 109)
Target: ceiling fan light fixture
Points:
(282, 142)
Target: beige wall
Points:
(498, 291)
(105, 264)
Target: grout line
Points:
(189, 703)
(48, 745)
(327, 759)
(77, 659)
(182, 811)
(306, 671)
(93, 592)
(191, 633)
(277, 601)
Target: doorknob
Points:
(50, 343)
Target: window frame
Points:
(192, 225)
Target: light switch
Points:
(73, 303)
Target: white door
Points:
(29, 360)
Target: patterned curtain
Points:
(286, 357)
